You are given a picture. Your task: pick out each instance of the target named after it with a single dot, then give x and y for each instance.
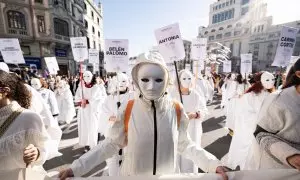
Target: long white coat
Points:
(88, 116)
(247, 119)
(65, 105)
(138, 157)
(50, 100)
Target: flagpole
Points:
(178, 82)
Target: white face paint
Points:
(36, 83)
(87, 77)
(123, 81)
(186, 79)
(267, 80)
(152, 81)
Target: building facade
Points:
(93, 21)
(44, 28)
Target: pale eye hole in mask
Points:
(145, 80)
(159, 80)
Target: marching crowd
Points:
(152, 123)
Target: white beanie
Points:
(4, 67)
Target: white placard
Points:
(246, 63)
(227, 66)
(198, 49)
(79, 48)
(11, 51)
(52, 65)
(292, 61)
(170, 43)
(285, 46)
(116, 55)
(207, 70)
(198, 66)
(93, 56)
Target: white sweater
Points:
(26, 129)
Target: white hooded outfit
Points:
(192, 103)
(88, 116)
(210, 89)
(201, 87)
(247, 119)
(279, 137)
(65, 102)
(142, 148)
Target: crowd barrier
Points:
(276, 174)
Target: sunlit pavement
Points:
(215, 139)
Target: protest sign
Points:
(52, 65)
(93, 56)
(246, 63)
(11, 51)
(292, 61)
(116, 55)
(170, 43)
(198, 49)
(79, 48)
(285, 46)
(227, 66)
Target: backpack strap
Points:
(127, 115)
(178, 112)
(9, 121)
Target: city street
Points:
(215, 139)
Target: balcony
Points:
(18, 32)
(62, 38)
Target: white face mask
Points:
(267, 80)
(186, 79)
(123, 81)
(232, 77)
(36, 84)
(87, 77)
(152, 81)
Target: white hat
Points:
(4, 67)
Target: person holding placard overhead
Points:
(89, 97)
(152, 127)
(196, 109)
(247, 118)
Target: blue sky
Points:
(136, 20)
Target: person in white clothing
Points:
(153, 128)
(247, 119)
(196, 109)
(23, 137)
(201, 86)
(109, 113)
(47, 95)
(89, 97)
(210, 88)
(277, 132)
(65, 103)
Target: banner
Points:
(11, 51)
(292, 62)
(79, 48)
(170, 43)
(198, 49)
(116, 55)
(227, 66)
(285, 46)
(246, 63)
(52, 65)
(93, 56)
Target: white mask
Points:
(186, 79)
(123, 81)
(152, 81)
(268, 80)
(232, 77)
(36, 83)
(87, 77)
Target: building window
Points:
(255, 53)
(229, 14)
(16, 20)
(86, 24)
(256, 46)
(73, 10)
(210, 38)
(61, 27)
(262, 28)
(94, 44)
(219, 6)
(238, 25)
(92, 14)
(74, 31)
(98, 20)
(245, 2)
(229, 26)
(41, 24)
(206, 32)
(84, 6)
(244, 10)
(219, 36)
(93, 30)
(98, 33)
(213, 30)
(228, 34)
(231, 2)
(227, 3)
(258, 29)
(65, 4)
(236, 33)
(221, 28)
(38, 1)
(26, 50)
